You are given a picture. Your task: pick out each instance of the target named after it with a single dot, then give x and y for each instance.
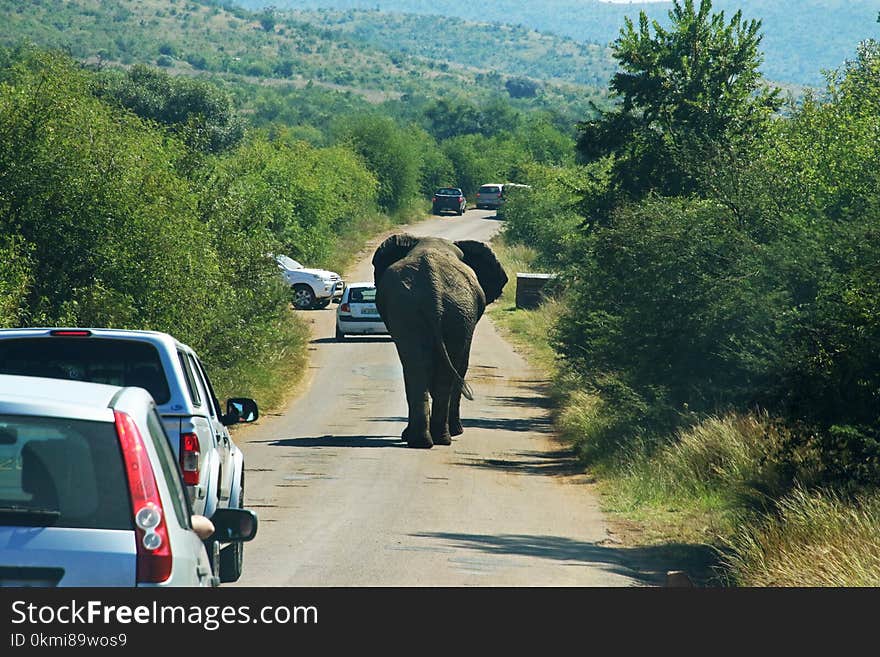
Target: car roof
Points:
(362, 284)
(35, 395)
(121, 334)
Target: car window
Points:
(72, 467)
(170, 468)
(212, 396)
(288, 262)
(190, 380)
(97, 360)
(449, 191)
(489, 189)
(362, 295)
(200, 384)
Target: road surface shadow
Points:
(647, 565)
(358, 339)
(537, 424)
(337, 441)
(556, 463)
(527, 401)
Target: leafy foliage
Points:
(689, 89)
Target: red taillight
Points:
(70, 333)
(499, 194)
(189, 458)
(434, 200)
(345, 308)
(460, 199)
(151, 532)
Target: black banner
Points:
(122, 620)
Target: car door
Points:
(221, 433)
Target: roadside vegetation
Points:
(717, 351)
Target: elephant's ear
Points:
(489, 271)
(390, 251)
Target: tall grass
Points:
(815, 539)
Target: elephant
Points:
(431, 292)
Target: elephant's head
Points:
(476, 255)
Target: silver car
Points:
(91, 492)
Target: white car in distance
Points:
(312, 288)
(357, 313)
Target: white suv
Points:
(312, 288)
(90, 491)
(211, 463)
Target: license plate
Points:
(369, 310)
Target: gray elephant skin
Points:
(431, 292)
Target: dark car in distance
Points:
(450, 199)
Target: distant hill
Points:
(510, 49)
(801, 37)
(223, 39)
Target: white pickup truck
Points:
(312, 288)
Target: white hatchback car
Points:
(357, 313)
(91, 493)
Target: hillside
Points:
(508, 49)
(195, 37)
(802, 37)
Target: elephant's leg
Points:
(461, 364)
(415, 377)
(441, 391)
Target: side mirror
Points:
(239, 410)
(234, 525)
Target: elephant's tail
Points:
(466, 389)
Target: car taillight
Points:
(68, 333)
(460, 199)
(434, 200)
(499, 194)
(151, 532)
(189, 458)
(345, 308)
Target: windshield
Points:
(61, 473)
(98, 360)
(287, 262)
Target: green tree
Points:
(389, 153)
(686, 91)
(199, 111)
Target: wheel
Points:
(460, 211)
(232, 556)
(303, 297)
(339, 334)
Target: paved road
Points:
(343, 502)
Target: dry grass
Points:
(817, 539)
